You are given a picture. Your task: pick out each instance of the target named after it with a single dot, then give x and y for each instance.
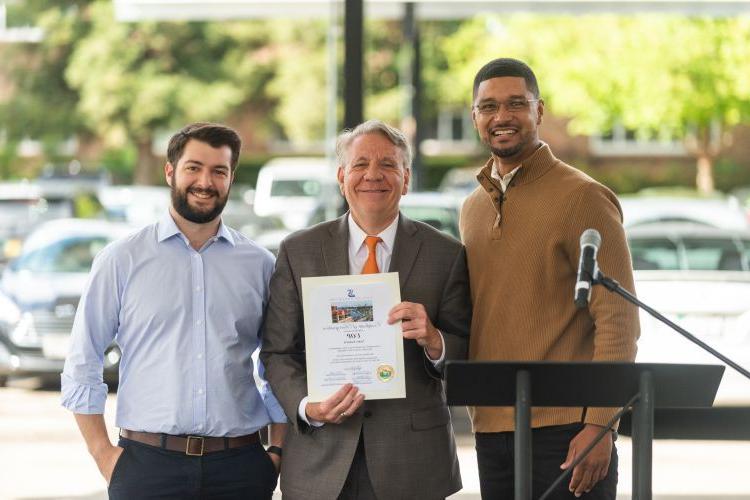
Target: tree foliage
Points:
(659, 75)
(137, 79)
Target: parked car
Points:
(22, 207)
(291, 188)
(699, 277)
(40, 293)
(714, 211)
(460, 181)
(136, 205)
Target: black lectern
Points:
(527, 384)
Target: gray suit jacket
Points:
(409, 445)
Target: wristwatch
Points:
(276, 450)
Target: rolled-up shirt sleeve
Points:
(95, 326)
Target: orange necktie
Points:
(371, 264)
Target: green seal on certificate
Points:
(385, 373)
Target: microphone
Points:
(587, 268)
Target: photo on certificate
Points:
(348, 338)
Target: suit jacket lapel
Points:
(405, 248)
(336, 247)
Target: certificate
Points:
(348, 338)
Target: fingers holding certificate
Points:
(416, 325)
(340, 405)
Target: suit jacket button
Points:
(368, 414)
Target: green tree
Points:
(137, 79)
(40, 103)
(659, 75)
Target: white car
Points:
(722, 212)
(699, 277)
(291, 188)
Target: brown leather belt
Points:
(195, 446)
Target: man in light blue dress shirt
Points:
(184, 298)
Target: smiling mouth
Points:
(503, 132)
(202, 195)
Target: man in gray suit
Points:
(346, 447)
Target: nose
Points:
(204, 179)
(503, 113)
(373, 172)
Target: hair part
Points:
(213, 134)
(394, 135)
(506, 66)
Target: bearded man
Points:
(184, 299)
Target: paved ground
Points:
(43, 457)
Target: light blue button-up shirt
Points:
(187, 323)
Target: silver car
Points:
(39, 294)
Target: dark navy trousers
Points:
(148, 472)
(495, 457)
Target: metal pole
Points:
(643, 435)
(353, 66)
(522, 443)
(411, 78)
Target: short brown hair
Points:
(213, 134)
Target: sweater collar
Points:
(535, 166)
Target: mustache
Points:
(208, 191)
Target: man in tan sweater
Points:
(521, 228)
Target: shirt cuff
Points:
(437, 363)
(303, 415)
(82, 398)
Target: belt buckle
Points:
(187, 446)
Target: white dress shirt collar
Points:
(167, 227)
(504, 180)
(357, 236)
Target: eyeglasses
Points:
(490, 108)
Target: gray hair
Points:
(344, 140)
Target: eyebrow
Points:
(514, 96)
(200, 163)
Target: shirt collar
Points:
(166, 228)
(357, 235)
(504, 180)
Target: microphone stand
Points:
(613, 286)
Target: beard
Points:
(507, 152)
(193, 214)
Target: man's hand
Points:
(340, 405)
(415, 324)
(106, 459)
(594, 467)
(276, 461)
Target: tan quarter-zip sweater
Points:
(522, 249)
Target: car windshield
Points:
(72, 255)
(654, 253)
(442, 219)
(690, 253)
(295, 187)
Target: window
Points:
(620, 141)
(654, 253)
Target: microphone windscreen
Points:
(591, 237)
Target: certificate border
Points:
(397, 387)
